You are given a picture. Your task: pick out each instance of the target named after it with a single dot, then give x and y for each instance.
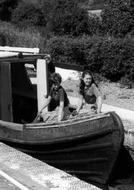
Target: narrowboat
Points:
(86, 146)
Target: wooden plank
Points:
(5, 92)
(42, 82)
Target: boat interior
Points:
(18, 96)
(24, 94)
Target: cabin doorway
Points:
(20, 98)
(5, 92)
(24, 93)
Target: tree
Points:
(6, 8)
(32, 13)
(118, 17)
(68, 18)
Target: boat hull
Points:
(87, 148)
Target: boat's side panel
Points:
(92, 155)
(65, 131)
(11, 132)
(5, 92)
(90, 127)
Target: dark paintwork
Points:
(87, 147)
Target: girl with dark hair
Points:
(57, 100)
(90, 96)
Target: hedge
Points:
(112, 57)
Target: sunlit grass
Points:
(11, 35)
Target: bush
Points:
(117, 17)
(27, 13)
(111, 57)
(111, 52)
(68, 18)
(68, 49)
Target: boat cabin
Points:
(18, 95)
(20, 98)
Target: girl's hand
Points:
(59, 118)
(74, 113)
(98, 111)
(40, 112)
(94, 110)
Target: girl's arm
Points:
(99, 104)
(98, 98)
(46, 103)
(79, 103)
(39, 112)
(61, 105)
(60, 113)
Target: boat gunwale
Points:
(12, 125)
(67, 122)
(22, 127)
(90, 133)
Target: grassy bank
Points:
(11, 35)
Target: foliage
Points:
(68, 49)
(27, 13)
(68, 18)
(111, 52)
(62, 17)
(118, 17)
(12, 36)
(128, 59)
(6, 8)
(83, 50)
(111, 57)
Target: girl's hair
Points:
(56, 77)
(82, 84)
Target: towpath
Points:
(19, 171)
